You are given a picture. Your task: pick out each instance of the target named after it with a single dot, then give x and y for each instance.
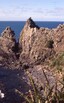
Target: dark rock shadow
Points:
(11, 80)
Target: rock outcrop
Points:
(27, 38)
(7, 45)
(33, 42)
(7, 40)
(58, 38)
(35, 45)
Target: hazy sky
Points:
(45, 10)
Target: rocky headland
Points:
(35, 45)
(38, 49)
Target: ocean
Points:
(17, 26)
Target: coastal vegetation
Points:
(50, 94)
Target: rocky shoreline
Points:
(35, 44)
(34, 51)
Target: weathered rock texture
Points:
(7, 40)
(33, 42)
(35, 45)
(38, 44)
(7, 45)
(27, 38)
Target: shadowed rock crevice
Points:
(16, 50)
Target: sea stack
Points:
(7, 44)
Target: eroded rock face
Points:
(38, 44)
(33, 41)
(27, 38)
(7, 40)
(7, 43)
(58, 38)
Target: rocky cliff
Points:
(38, 49)
(33, 42)
(36, 45)
(7, 45)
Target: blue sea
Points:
(17, 26)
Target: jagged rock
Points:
(8, 33)
(30, 23)
(7, 40)
(33, 42)
(58, 38)
(7, 43)
(27, 38)
(34, 49)
(35, 45)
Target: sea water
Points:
(17, 26)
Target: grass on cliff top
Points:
(58, 61)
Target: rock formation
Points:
(58, 38)
(27, 38)
(38, 44)
(35, 45)
(7, 45)
(33, 42)
(7, 40)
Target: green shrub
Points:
(50, 44)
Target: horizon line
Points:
(33, 20)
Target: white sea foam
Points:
(1, 94)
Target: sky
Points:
(39, 10)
